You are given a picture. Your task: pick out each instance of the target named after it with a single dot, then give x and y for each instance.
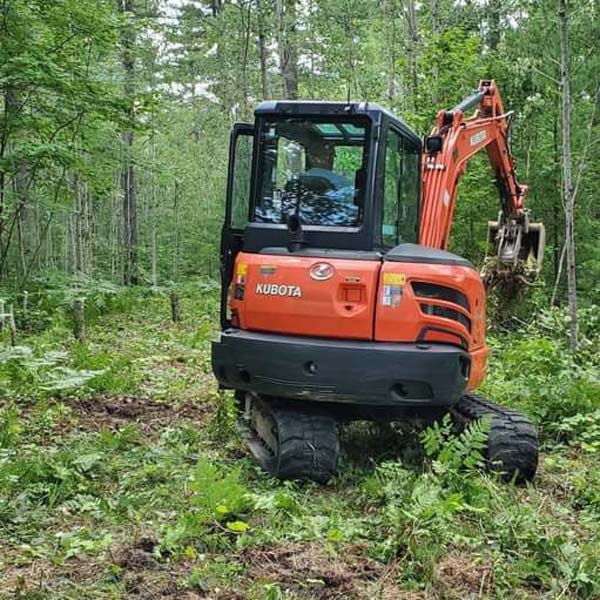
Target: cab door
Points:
(237, 207)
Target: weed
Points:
(225, 415)
(217, 499)
(9, 426)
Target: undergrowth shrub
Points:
(225, 414)
(534, 370)
(10, 428)
(55, 372)
(582, 430)
(218, 503)
(420, 509)
(49, 299)
(46, 478)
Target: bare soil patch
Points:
(460, 576)
(110, 412)
(311, 572)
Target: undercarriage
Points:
(291, 440)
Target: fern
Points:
(450, 451)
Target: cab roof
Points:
(315, 108)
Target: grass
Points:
(121, 477)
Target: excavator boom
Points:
(516, 244)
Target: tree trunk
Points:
(175, 308)
(389, 18)
(262, 50)
(176, 227)
(130, 225)
(78, 226)
(556, 201)
(12, 327)
(569, 199)
(246, 22)
(8, 93)
(78, 313)
(411, 49)
(153, 274)
(286, 44)
(435, 31)
(494, 8)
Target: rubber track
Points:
(309, 445)
(512, 447)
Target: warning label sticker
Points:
(394, 278)
(392, 294)
(241, 270)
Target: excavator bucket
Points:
(510, 250)
(515, 251)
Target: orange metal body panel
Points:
(277, 294)
(406, 321)
(341, 307)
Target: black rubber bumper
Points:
(367, 373)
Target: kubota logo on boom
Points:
(274, 289)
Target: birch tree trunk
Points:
(568, 195)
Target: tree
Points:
(568, 195)
(128, 183)
(286, 45)
(262, 50)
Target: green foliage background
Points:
(197, 70)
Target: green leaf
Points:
(237, 526)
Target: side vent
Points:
(447, 313)
(434, 291)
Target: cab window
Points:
(400, 191)
(313, 168)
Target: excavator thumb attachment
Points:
(515, 251)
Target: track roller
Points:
(291, 443)
(512, 447)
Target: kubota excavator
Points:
(339, 300)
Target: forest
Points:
(122, 473)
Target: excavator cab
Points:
(338, 298)
(329, 179)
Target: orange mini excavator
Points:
(339, 300)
